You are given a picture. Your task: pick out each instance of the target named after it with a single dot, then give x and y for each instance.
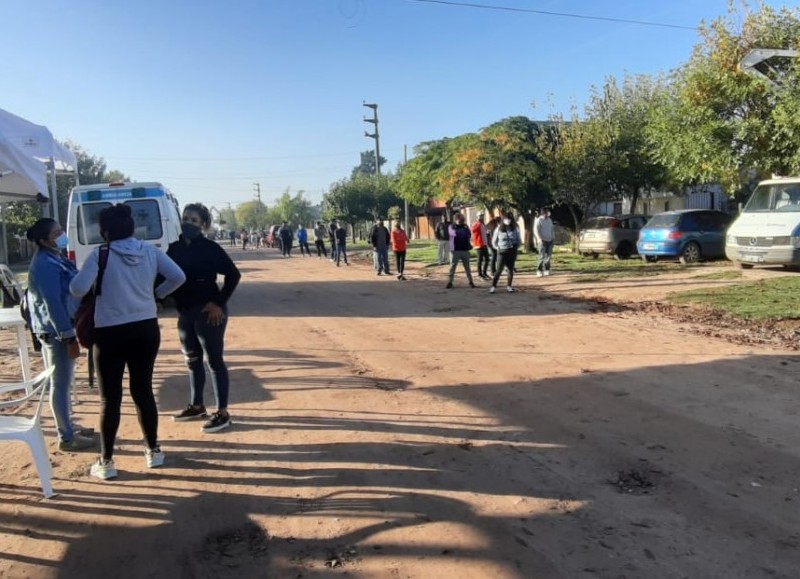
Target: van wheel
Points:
(650, 258)
(690, 253)
(624, 251)
(744, 265)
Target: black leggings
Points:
(507, 260)
(400, 258)
(134, 345)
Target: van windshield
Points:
(146, 220)
(782, 197)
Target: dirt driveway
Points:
(401, 430)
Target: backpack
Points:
(462, 238)
(442, 233)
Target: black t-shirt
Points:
(202, 260)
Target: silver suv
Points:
(611, 234)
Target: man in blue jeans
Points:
(341, 244)
(380, 239)
(544, 232)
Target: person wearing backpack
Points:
(459, 246)
(442, 234)
(52, 309)
(126, 329)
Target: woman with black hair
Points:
(126, 329)
(203, 314)
(52, 309)
(506, 240)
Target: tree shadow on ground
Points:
(602, 471)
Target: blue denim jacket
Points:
(52, 306)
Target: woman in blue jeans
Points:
(202, 314)
(52, 309)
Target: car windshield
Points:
(599, 222)
(664, 220)
(775, 197)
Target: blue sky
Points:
(212, 97)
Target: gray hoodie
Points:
(127, 294)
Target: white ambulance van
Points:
(155, 214)
(767, 232)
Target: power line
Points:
(559, 14)
(234, 159)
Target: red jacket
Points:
(399, 240)
(478, 234)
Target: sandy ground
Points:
(402, 430)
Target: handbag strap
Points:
(102, 261)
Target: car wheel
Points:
(690, 253)
(624, 251)
(744, 265)
(650, 258)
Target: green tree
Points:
(252, 215)
(718, 124)
(367, 165)
(503, 167)
(228, 216)
(294, 209)
(576, 161)
(624, 111)
(436, 172)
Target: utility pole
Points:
(375, 135)
(257, 188)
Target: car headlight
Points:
(730, 240)
(795, 242)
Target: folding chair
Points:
(10, 286)
(29, 430)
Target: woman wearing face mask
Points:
(506, 240)
(52, 309)
(202, 314)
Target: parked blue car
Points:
(689, 234)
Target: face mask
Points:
(507, 221)
(190, 230)
(62, 241)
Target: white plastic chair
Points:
(10, 281)
(29, 430)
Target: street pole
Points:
(258, 209)
(375, 135)
(405, 201)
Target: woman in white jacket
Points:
(126, 329)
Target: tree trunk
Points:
(577, 223)
(634, 200)
(527, 220)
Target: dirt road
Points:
(401, 430)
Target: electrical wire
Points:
(559, 14)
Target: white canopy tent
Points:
(28, 155)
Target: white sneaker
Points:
(103, 469)
(547, 272)
(510, 289)
(492, 289)
(154, 457)
(539, 273)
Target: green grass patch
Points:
(766, 299)
(720, 275)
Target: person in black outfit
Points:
(203, 313)
(287, 237)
